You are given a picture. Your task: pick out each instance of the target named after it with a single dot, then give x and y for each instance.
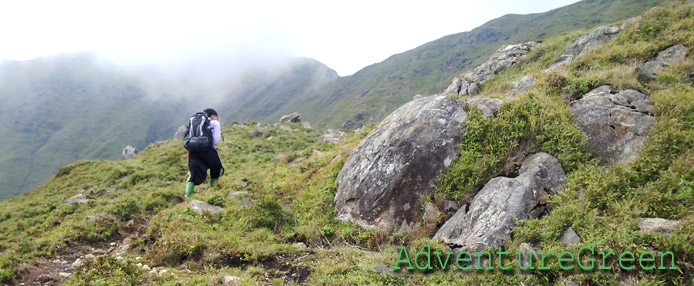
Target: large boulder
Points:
(595, 38)
(503, 201)
(128, 152)
(616, 123)
(180, 132)
(648, 71)
(293, 117)
(500, 61)
(383, 180)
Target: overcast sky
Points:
(345, 35)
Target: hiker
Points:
(204, 133)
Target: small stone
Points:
(90, 257)
(153, 272)
(163, 271)
(138, 258)
(657, 225)
(569, 237)
(336, 158)
(317, 153)
(278, 157)
(296, 161)
(77, 263)
(299, 245)
(145, 267)
(64, 274)
(139, 264)
(122, 249)
(76, 199)
(112, 244)
(229, 280)
(382, 269)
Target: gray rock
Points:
(300, 245)
(595, 38)
(613, 122)
(128, 152)
(200, 207)
(306, 125)
(569, 282)
(451, 207)
(180, 132)
(229, 280)
(76, 199)
(522, 85)
(332, 136)
(294, 117)
(317, 153)
(286, 128)
(657, 225)
(237, 195)
(569, 237)
(495, 209)
(499, 62)
(461, 87)
(78, 263)
(159, 143)
(65, 274)
(488, 106)
(224, 149)
(278, 157)
(417, 96)
(384, 178)
(296, 161)
(526, 251)
(647, 72)
(383, 270)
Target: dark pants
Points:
(199, 162)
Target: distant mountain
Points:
(262, 92)
(376, 90)
(57, 110)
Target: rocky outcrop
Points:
(201, 207)
(384, 178)
(488, 106)
(128, 152)
(462, 87)
(648, 71)
(616, 123)
(500, 61)
(293, 117)
(180, 132)
(522, 85)
(503, 201)
(332, 136)
(595, 38)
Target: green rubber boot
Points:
(189, 190)
(212, 180)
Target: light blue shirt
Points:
(216, 132)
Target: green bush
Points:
(497, 146)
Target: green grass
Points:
(291, 204)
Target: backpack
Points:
(199, 136)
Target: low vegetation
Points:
(261, 238)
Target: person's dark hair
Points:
(210, 112)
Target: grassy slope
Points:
(293, 204)
(428, 69)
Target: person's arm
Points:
(216, 133)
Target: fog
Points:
(170, 35)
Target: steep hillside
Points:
(376, 90)
(272, 218)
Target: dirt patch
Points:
(288, 266)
